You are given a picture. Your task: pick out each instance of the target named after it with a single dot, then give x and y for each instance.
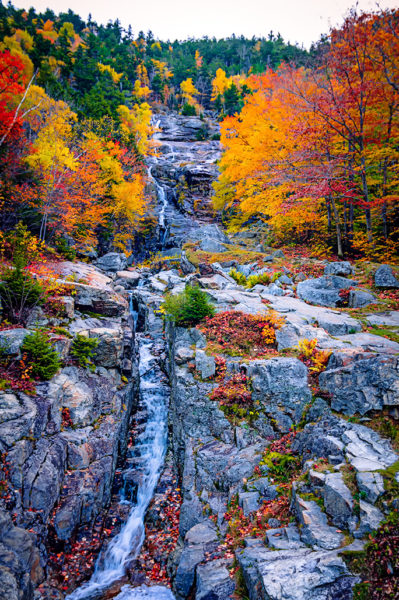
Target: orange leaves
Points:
(315, 151)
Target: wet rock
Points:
(384, 277)
(113, 261)
(214, 581)
(323, 291)
(360, 382)
(343, 268)
(338, 500)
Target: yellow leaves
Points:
(140, 91)
(162, 69)
(116, 77)
(129, 199)
(220, 84)
(156, 46)
(52, 121)
(137, 121)
(142, 75)
(188, 90)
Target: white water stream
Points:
(147, 457)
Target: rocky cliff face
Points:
(61, 445)
(283, 533)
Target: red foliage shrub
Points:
(240, 334)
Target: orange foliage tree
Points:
(314, 151)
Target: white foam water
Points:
(149, 453)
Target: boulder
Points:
(210, 245)
(130, 278)
(366, 450)
(205, 364)
(113, 261)
(11, 341)
(284, 538)
(109, 350)
(385, 278)
(186, 266)
(315, 529)
(300, 574)
(370, 519)
(249, 502)
(281, 387)
(198, 540)
(274, 290)
(359, 382)
(371, 484)
(101, 300)
(324, 291)
(338, 500)
(360, 298)
(214, 581)
(339, 268)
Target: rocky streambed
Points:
(265, 500)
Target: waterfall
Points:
(162, 198)
(144, 460)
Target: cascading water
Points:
(144, 460)
(162, 198)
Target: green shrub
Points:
(189, 307)
(64, 249)
(252, 280)
(40, 355)
(19, 293)
(188, 110)
(82, 350)
(238, 277)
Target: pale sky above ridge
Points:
(301, 21)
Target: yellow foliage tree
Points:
(137, 121)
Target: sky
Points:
(298, 21)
